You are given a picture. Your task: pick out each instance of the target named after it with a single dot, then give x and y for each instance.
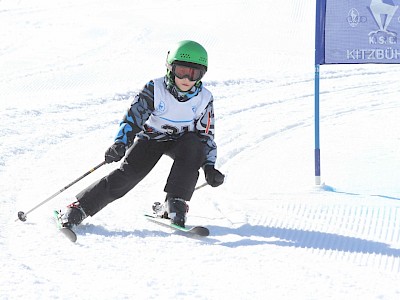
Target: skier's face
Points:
(184, 84)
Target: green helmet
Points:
(190, 52)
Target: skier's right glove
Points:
(213, 176)
(115, 153)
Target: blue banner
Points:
(357, 31)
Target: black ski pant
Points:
(188, 155)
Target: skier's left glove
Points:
(213, 176)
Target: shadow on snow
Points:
(288, 237)
(250, 235)
(87, 229)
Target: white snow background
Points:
(67, 72)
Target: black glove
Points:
(213, 176)
(115, 153)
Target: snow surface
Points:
(68, 69)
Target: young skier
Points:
(172, 115)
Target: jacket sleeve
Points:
(205, 128)
(140, 110)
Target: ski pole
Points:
(22, 215)
(205, 183)
(200, 186)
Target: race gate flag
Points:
(357, 31)
(353, 32)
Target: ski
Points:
(68, 232)
(195, 230)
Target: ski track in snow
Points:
(349, 234)
(354, 234)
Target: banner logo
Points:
(383, 14)
(354, 18)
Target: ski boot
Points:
(73, 216)
(173, 208)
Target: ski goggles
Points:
(191, 73)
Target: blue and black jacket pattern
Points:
(135, 121)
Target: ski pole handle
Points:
(22, 215)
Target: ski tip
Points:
(202, 231)
(69, 234)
